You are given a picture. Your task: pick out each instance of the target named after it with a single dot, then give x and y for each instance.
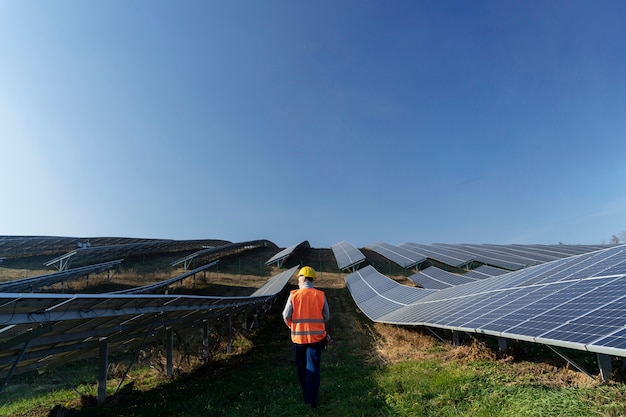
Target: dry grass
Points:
(395, 344)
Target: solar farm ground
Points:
(370, 370)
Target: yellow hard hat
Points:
(308, 272)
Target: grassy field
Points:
(369, 370)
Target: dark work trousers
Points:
(308, 359)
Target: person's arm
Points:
(326, 310)
(287, 312)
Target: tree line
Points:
(618, 238)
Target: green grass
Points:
(349, 388)
(261, 382)
(426, 388)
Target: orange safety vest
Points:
(307, 322)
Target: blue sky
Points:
(366, 121)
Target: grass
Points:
(427, 388)
(370, 370)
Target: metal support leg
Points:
(205, 341)
(456, 338)
(502, 344)
(229, 346)
(169, 368)
(256, 319)
(17, 360)
(606, 369)
(103, 368)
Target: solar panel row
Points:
(577, 302)
(41, 330)
(20, 246)
(401, 256)
(464, 256)
(32, 283)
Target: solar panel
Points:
(347, 256)
(377, 295)
(428, 282)
(485, 271)
(284, 254)
(435, 278)
(276, 284)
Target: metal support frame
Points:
(574, 364)
(352, 267)
(205, 340)
(135, 357)
(103, 368)
(186, 261)
(68, 383)
(63, 261)
(441, 339)
(17, 360)
(229, 324)
(256, 318)
(502, 344)
(23, 338)
(606, 368)
(169, 367)
(456, 338)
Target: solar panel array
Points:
(40, 330)
(577, 302)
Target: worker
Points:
(306, 313)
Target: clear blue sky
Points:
(366, 121)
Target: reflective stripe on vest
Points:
(307, 322)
